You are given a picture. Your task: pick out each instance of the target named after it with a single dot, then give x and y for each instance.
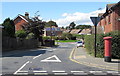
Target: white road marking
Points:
(37, 56)
(57, 71)
(112, 72)
(21, 67)
(22, 74)
(40, 73)
(48, 59)
(60, 73)
(95, 71)
(77, 71)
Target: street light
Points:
(95, 21)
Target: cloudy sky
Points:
(61, 12)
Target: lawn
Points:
(66, 40)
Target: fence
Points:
(14, 43)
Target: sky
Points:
(63, 13)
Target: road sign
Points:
(95, 20)
(53, 58)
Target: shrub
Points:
(21, 34)
(89, 44)
(67, 36)
(30, 36)
(46, 37)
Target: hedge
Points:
(89, 44)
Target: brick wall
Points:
(18, 23)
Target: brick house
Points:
(110, 20)
(21, 20)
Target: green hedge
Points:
(89, 44)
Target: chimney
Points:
(27, 15)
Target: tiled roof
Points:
(110, 5)
(75, 31)
(85, 31)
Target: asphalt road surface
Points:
(54, 60)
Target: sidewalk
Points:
(80, 56)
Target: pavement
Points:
(80, 56)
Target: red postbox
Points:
(107, 49)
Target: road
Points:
(54, 60)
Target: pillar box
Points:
(107, 49)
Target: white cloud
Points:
(77, 17)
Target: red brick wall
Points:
(110, 22)
(18, 23)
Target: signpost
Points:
(95, 21)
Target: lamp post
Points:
(95, 21)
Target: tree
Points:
(51, 23)
(83, 26)
(72, 25)
(35, 26)
(9, 28)
(21, 33)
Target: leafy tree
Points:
(51, 23)
(82, 26)
(21, 33)
(9, 28)
(35, 26)
(72, 25)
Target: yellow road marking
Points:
(90, 64)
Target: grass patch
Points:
(66, 40)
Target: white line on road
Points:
(49, 59)
(22, 74)
(77, 71)
(60, 73)
(21, 67)
(40, 73)
(37, 56)
(57, 71)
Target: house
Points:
(110, 20)
(75, 31)
(86, 32)
(52, 31)
(21, 20)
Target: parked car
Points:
(79, 44)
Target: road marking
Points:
(112, 72)
(95, 71)
(22, 74)
(58, 71)
(48, 59)
(21, 67)
(37, 56)
(77, 71)
(90, 64)
(40, 73)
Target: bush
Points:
(89, 44)
(30, 36)
(67, 36)
(21, 34)
(46, 38)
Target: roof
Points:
(110, 5)
(75, 31)
(23, 17)
(66, 31)
(53, 29)
(85, 31)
